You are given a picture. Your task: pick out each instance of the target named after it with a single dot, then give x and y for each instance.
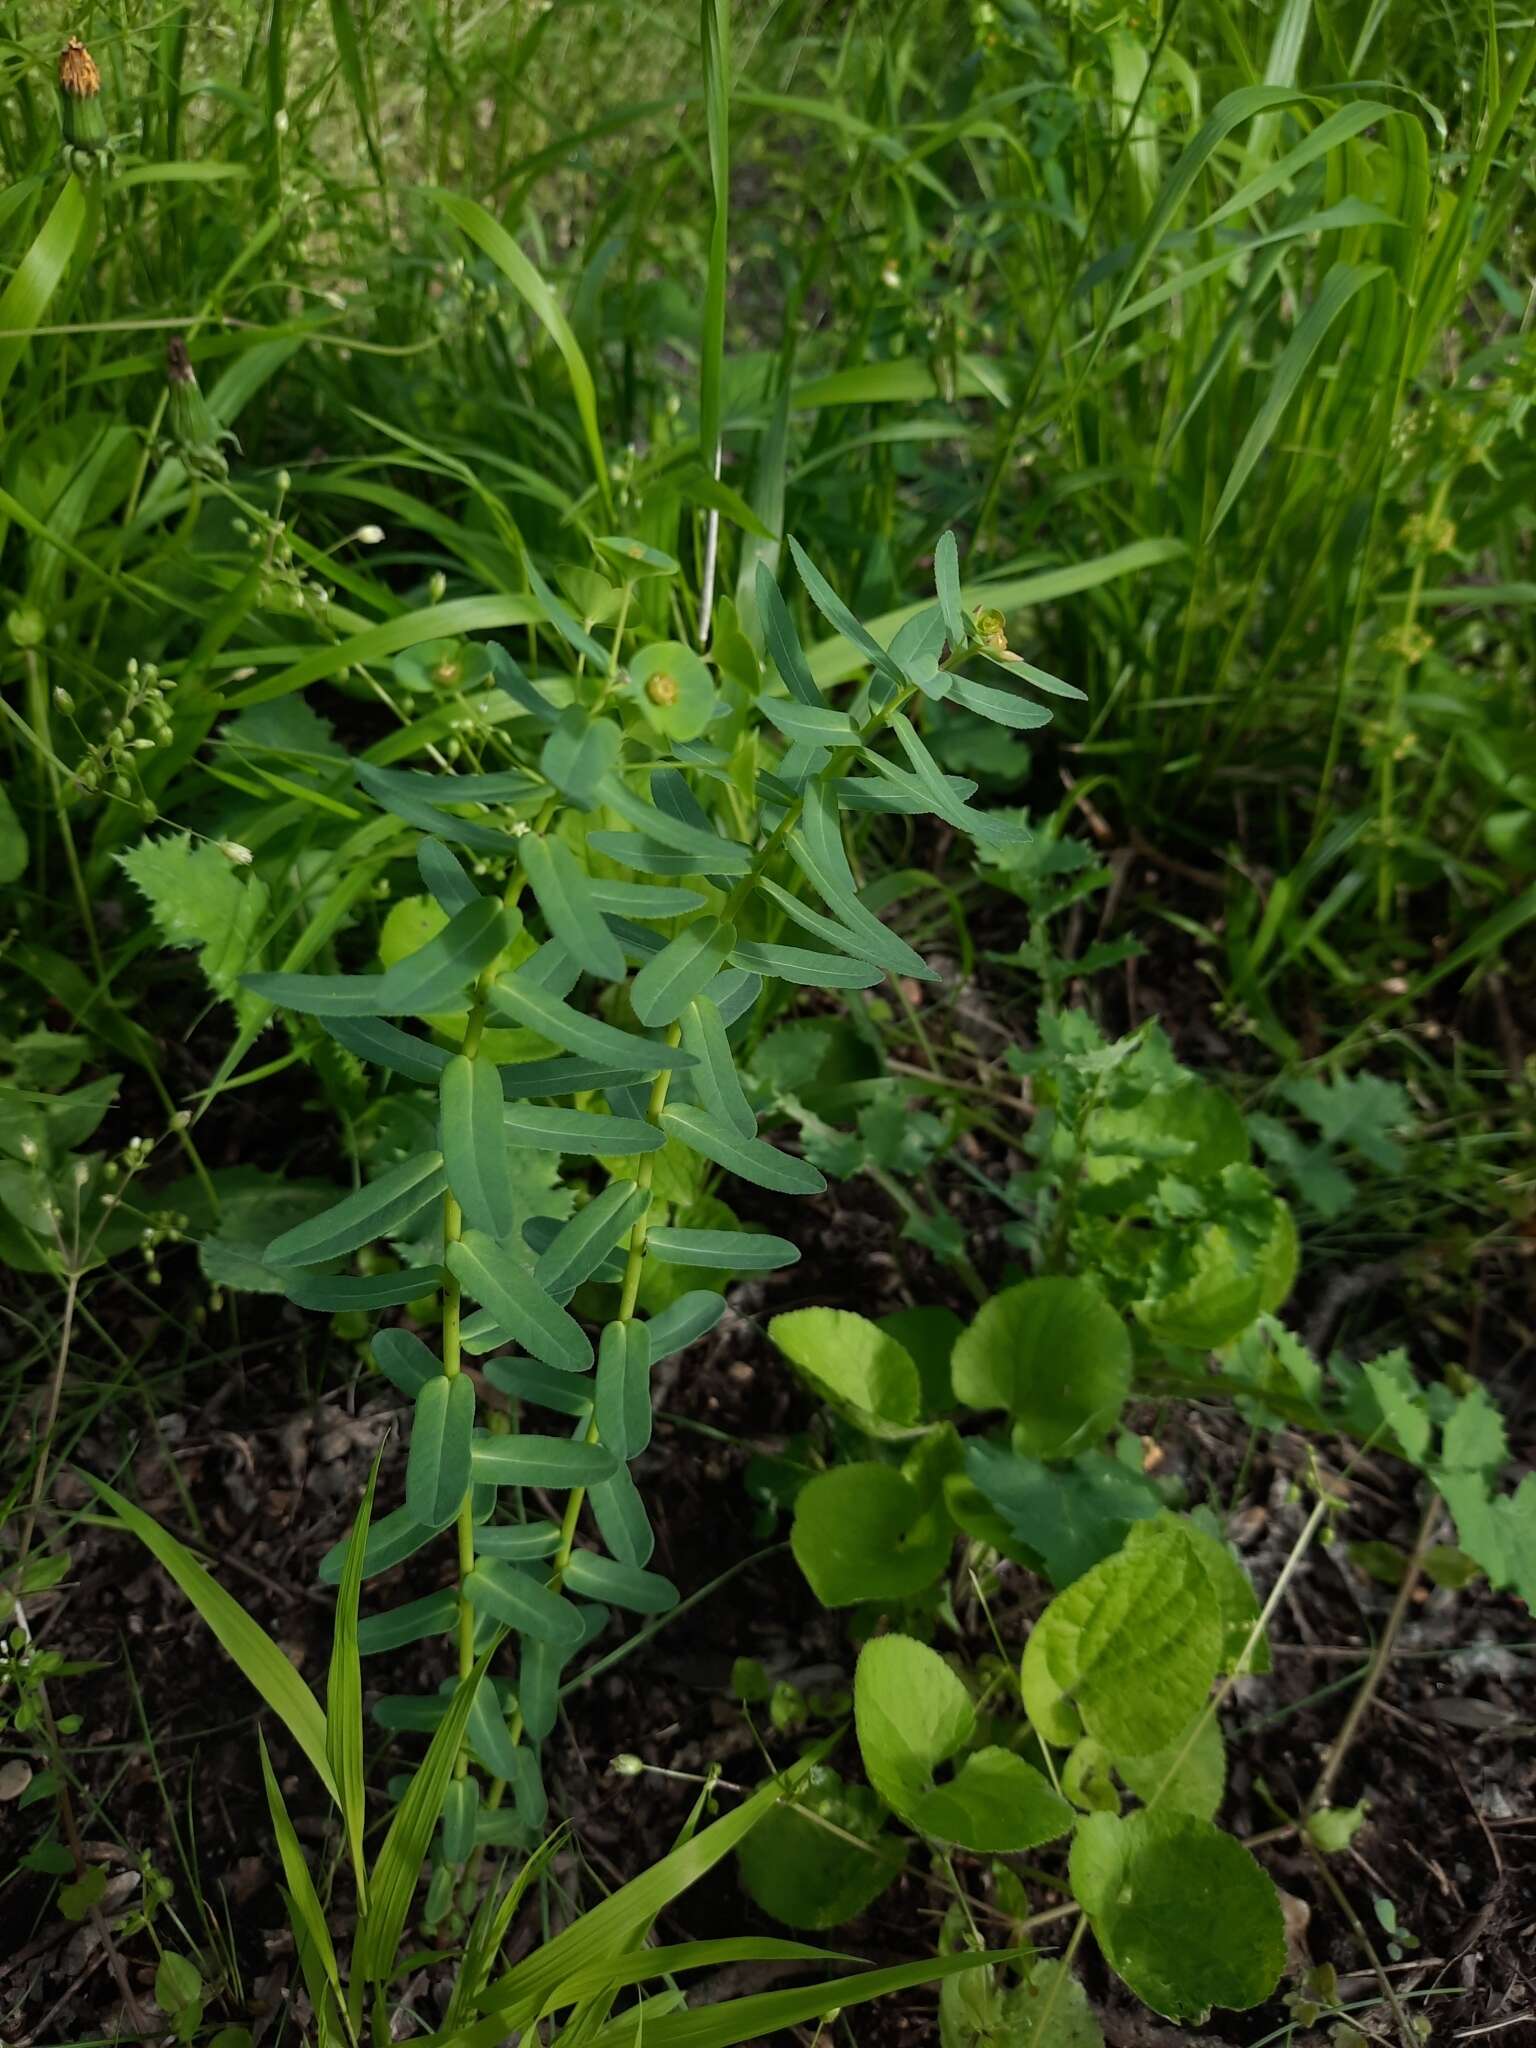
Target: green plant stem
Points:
(1392, 738)
(629, 1295)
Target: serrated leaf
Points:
(438, 1469)
(199, 900)
(519, 1304)
(1136, 1642)
(750, 1158)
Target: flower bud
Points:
(370, 536)
(232, 850)
(626, 1766)
(82, 118)
(194, 431)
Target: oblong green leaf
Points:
(620, 1585)
(404, 1360)
(451, 888)
(806, 968)
(999, 705)
(555, 1462)
(684, 968)
(580, 755)
(518, 1601)
(342, 1291)
(578, 1130)
(525, 1003)
(372, 1211)
(525, 1379)
(743, 1251)
(517, 1542)
(435, 1614)
(621, 1519)
(424, 983)
(752, 1159)
(519, 1304)
(437, 1471)
(783, 641)
(715, 1077)
(391, 1539)
(581, 1245)
(386, 1045)
(564, 892)
(470, 1108)
(886, 951)
(841, 619)
(946, 579)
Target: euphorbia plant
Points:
(577, 996)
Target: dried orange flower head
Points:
(78, 75)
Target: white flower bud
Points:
(370, 536)
(233, 850)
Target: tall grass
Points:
(1206, 329)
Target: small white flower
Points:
(233, 850)
(370, 536)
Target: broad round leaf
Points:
(673, 688)
(809, 1877)
(1055, 1355)
(863, 1532)
(913, 1714)
(1181, 1911)
(859, 1370)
